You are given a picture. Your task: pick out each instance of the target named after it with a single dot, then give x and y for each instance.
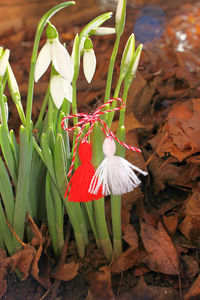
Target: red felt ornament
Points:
(77, 189)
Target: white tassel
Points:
(115, 174)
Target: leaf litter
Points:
(160, 221)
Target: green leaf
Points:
(6, 192)
(98, 21)
(22, 196)
(51, 214)
(8, 154)
(6, 233)
(15, 147)
(48, 157)
(60, 163)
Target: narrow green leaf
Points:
(15, 147)
(22, 196)
(48, 157)
(94, 24)
(60, 163)
(6, 233)
(51, 215)
(6, 192)
(8, 154)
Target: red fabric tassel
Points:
(81, 179)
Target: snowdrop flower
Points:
(4, 62)
(120, 16)
(103, 31)
(89, 60)
(53, 51)
(6, 112)
(60, 88)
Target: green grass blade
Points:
(8, 154)
(6, 233)
(6, 192)
(22, 196)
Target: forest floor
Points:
(161, 219)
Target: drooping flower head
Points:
(53, 51)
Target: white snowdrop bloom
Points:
(53, 51)
(4, 62)
(104, 31)
(6, 112)
(60, 88)
(89, 64)
(115, 174)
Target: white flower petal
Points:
(104, 31)
(62, 61)
(4, 62)
(57, 89)
(43, 61)
(67, 90)
(89, 64)
(119, 9)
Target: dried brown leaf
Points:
(23, 260)
(100, 284)
(171, 223)
(194, 291)
(130, 236)
(4, 262)
(180, 135)
(162, 256)
(190, 226)
(66, 272)
(127, 259)
(143, 291)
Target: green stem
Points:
(114, 104)
(42, 110)
(39, 31)
(100, 218)
(74, 102)
(99, 205)
(116, 200)
(90, 212)
(111, 68)
(122, 111)
(116, 224)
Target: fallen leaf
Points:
(171, 223)
(127, 259)
(130, 236)
(180, 136)
(23, 260)
(66, 272)
(162, 256)
(190, 266)
(194, 291)
(100, 284)
(4, 262)
(142, 291)
(190, 226)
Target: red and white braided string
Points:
(91, 119)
